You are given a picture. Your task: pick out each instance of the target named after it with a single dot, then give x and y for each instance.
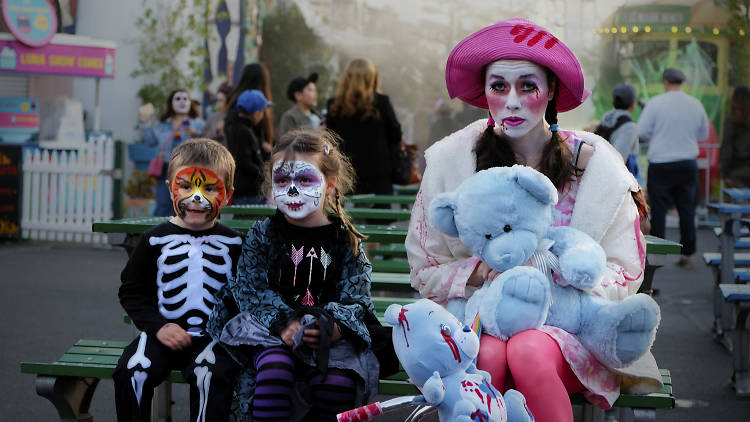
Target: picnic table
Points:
(737, 194)
(375, 233)
(355, 213)
(371, 198)
(730, 216)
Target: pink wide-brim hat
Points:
(513, 39)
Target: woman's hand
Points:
(287, 334)
(482, 273)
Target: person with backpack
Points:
(617, 126)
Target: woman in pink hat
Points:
(524, 76)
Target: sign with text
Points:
(58, 59)
(33, 22)
(19, 119)
(10, 191)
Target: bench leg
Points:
(741, 376)
(644, 415)
(592, 413)
(723, 316)
(71, 396)
(161, 404)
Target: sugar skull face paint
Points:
(198, 194)
(517, 95)
(181, 102)
(298, 188)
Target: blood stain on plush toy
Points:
(405, 327)
(445, 331)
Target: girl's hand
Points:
(287, 334)
(311, 337)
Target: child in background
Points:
(240, 127)
(302, 291)
(168, 288)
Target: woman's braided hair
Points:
(494, 150)
(331, 162)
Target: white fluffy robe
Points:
(604, 210)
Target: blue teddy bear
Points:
(438, 352)
(504, 216)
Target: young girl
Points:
(302, 291)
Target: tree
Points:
(740, 22)
(290, 49)
(172, 51)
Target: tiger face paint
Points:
(197, 195)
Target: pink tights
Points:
(532, 363)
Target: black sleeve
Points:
(138, 292)
(330, 120)
(244, 147)
(392, 126)
(727, 147)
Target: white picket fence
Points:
(65, 191)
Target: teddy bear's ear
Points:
(442, 211)
(391, 314)
(536, 184)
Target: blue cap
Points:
(252, 100)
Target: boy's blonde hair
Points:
(331, 162)
(204, 152)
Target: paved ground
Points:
(54, 294)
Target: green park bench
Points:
(261, 211)
(373, 199)
(70, 382)
(405, 189)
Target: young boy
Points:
(168, 288)
(303, 93)
(240, 132)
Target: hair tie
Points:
(553, 127)
(490, 122)
(326, 149)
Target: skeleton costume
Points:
(172, 276)
(285, 272)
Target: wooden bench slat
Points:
(355, 213)
(369, 198)
(90, 350)
(390, 266)
(391, 282)
(103, 343)
(96, 359)
(393, 250)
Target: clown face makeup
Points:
(197, 194)
(517, 95)
(181, 102)
(298, 188)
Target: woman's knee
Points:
(533, 354)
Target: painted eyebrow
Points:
(530, 75)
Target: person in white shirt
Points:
(673, 123)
